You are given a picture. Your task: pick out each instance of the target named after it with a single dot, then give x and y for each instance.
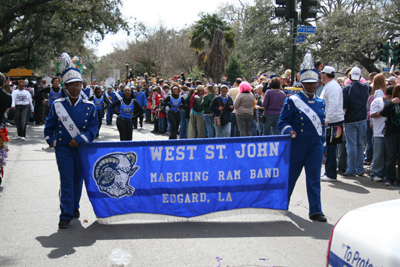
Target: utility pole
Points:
(294, 46)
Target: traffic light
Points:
(286, 8)
(308, 9)
(396, 54)
(384, 52)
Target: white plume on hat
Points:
(69, 72)
(308, 74)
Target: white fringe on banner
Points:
(240, 215)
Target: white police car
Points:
(367, 237)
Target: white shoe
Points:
(327, 179)
(22, 138)
(377, 179)
(19, 137)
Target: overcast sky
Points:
(172, 13)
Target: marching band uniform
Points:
(87, 92)
(54, 94)
(306, 116)
(110, 111)
(101, 104)
(176, 103)
(119, 95)
(127, 107)
(65, 123)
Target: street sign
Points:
(300, 39)
(306, 29)
(386, 69)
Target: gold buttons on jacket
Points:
(301, 130)
(87, 114)
(300, 112)
(301, 118)
(84, 127)
(88, 108)
(59, 139)
(85, 120)
(59, 132)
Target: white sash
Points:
(84, 95)
(108, 99)
(118, 96)
(309, 112)
(66, 120)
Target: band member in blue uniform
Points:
(141, 99)
(55, 92)
(87, 91)
(119, 94)
(72, 121)
(101, 103)
(175, 102)
(127, 106)
(109, 94)
(303, 117)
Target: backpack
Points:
(197, 103)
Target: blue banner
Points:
(188, 177)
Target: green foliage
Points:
(203, 31)
(266, 42)
(213, 39)
(352, 34)
(32, 32)
(234, 69)
(195, 73)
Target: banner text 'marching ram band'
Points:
(186, 177)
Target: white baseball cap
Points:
(355, 74)
(328, 70)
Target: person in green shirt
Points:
(208, 114)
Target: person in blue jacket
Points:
(72, 121)
(142, 100)
(87, 91)
(54, 92)
(109, 94)
(119, 94)
(127, 106)
(303, 117)
(101, 103)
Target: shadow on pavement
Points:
(359, 185)
(65, 241)
(7, 261)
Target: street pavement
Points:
(29, 210)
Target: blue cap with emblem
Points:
(308, 74)
(69, 72)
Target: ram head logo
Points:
(113, 172)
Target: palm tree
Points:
(212, 38)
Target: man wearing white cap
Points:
(303, 117)
(392, 81)
(333, 97)
(355, 97)
(72, 121)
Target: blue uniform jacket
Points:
(87, 91)
(83, 114)
(112, 95)
(115, 99)
(292, 118)
(141, 99)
